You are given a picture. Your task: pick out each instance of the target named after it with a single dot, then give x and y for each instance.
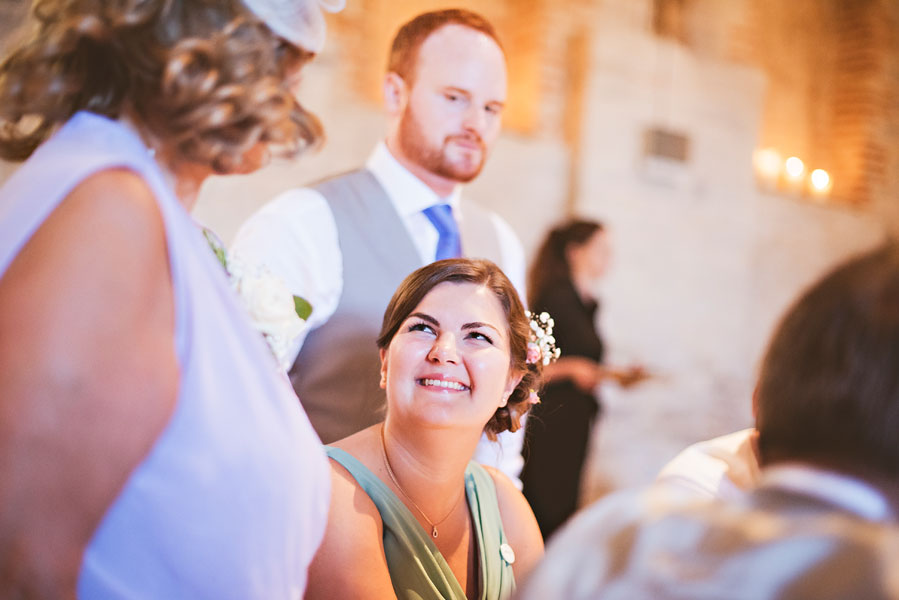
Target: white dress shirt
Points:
(295, 237)
(724, 467)
(849, 493)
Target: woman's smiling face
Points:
(449, 362)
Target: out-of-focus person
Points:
(563, 276)
(346, 243)
(822, 522)
(412, 516)
(724, 467)
(148, 446)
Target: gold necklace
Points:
(403, 492)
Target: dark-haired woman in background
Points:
(566, 268)
(148, 446)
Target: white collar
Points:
(849, 493)
(408, 193)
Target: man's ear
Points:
(383, 354)
(395, 94)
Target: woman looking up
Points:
(148, 447)
(572, 258)
(411, 515)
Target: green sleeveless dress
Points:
(417, 569)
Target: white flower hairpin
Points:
(542, 346)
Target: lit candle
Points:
(820, 183)
(794, 168)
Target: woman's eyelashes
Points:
(480, 335)
(421, 326)
(428, 328)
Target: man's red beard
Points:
(436, 160)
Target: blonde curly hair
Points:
(203, 76)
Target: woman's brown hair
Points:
(418, 284)
(205, 77)
(550, 268)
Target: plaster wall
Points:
(704, 262)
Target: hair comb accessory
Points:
(298, 21)
(542, 346)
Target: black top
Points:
(575, 321)
(558, 429)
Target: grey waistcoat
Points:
(337, 372)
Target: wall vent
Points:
(666, 144)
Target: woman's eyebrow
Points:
(425, 317)
(476, 324)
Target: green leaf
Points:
(303, 308)
(217, 247)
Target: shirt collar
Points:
(408, 193)
(849, 493)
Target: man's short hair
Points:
(404, 50)
(829, 384)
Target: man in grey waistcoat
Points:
(822, 520)
(346, 243)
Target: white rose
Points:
(270, 305)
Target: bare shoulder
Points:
(86, 334)
(116, 189)
(519, 523)
(347, 495)
(110, 219)
(508, 494)
(104, 246)
(116, 196)
(94, 280)
(348, 498)
(350, 563)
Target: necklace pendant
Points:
(434, 532)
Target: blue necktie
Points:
(448, 244)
